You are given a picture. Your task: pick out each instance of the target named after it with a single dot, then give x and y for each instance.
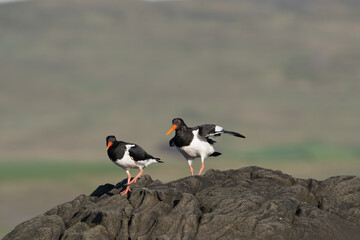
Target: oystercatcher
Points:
(128, 155)
(193, 142)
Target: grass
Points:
(59, 170)
(26, 170)
(309, 151)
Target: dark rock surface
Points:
(248, 203)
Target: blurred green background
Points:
(284, 73)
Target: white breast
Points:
(126, 162)
(198, 147)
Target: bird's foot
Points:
(133, 181)
(126, 190)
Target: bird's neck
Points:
(182, 130)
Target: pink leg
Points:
(191, 169)
(202, 168)
(137, 176)
(128, 184)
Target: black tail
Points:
(214, 154)
(235, 134)
(158, 160)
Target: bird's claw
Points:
(133, 181)
(126, 190)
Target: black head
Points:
(177, 123)
(110, 140)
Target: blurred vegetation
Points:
(61, 171)
(280, 72)
(284, 73)
(35, 170)
(308, 151)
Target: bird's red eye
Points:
(178, 121)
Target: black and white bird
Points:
(128, 155)
(193, 142)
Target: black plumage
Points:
(127, 156)
(137, 153)
(193, 142)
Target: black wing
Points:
(138, 154)
(234, 134)
(211, 130)
(207, 130)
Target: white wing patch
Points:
(219, 129)
(145, 163)
(128, 146)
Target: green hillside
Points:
(73, 72)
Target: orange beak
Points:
(171, 129)
(109, 145)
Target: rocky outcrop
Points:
(248, 203)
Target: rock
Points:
(43, 227)
(247, 203)
(75, 232)
(103, 189)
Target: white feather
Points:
(128, 162)
(128, 146)
(199, 147)
(219, 129)
(145, 163)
